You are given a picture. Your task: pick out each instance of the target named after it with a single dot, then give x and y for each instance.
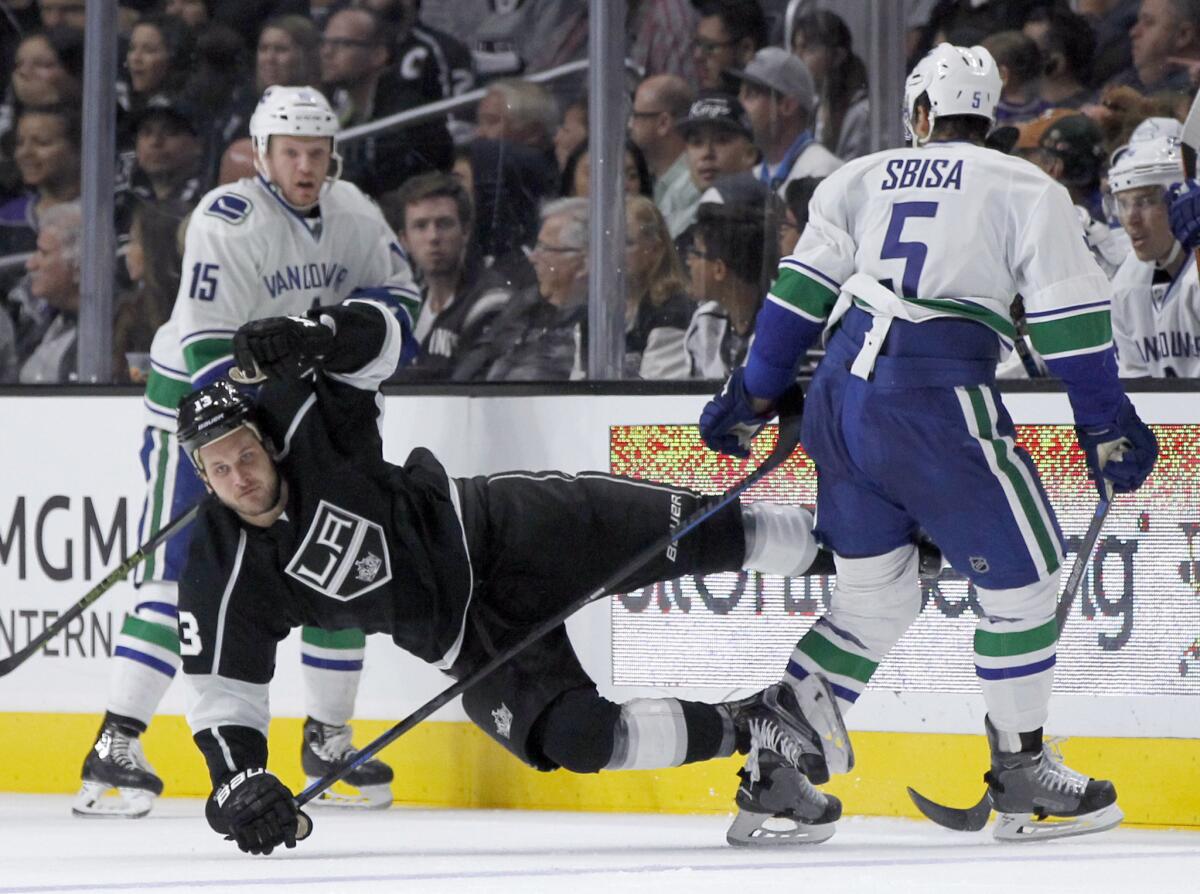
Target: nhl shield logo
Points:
(343, 554)
(503, 718)
(979, 564)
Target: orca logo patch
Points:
(343, 555)
(230, 207)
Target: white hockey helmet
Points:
(291, 111)
(957, 80)
(1148, 162)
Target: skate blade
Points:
(750, 829)
(1026, 827)
(97, 800)
(367, 797)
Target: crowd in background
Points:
(736, 112)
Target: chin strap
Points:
(1176, 251)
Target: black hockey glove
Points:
(257, 811)
(279, 347)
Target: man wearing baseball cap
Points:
(719, 141)
(779, 97)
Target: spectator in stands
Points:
(795, 212)
(519, 112)
(215, 84)
(659, 37)
(719, 141)
(48, 71)
(577, 175)
(1110, 21)
(1020, 64)
(1122, 109)
(159, 59)
(54, 279)
(288, 54)
(48, 156)
(433, 217)
(169, 153)
(540, 335)
(508, 183)
(435, 64)
(153, 261)
(1077, 159)
(509, 39)
(778, 95)
(658, 103)
(572, 132)
(657, 306)
(1067, 46)
(731, 261)
(193, 13)
(56, 13)
(842, 120)
(1165, 36)
(728, 33)
(356, 49)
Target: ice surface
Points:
(44, 849)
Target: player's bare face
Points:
(242, 474)
(1143, 214)
(434, 236)
(299, 166)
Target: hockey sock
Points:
(146, 656)
(667, 732)
(332, 662)
(779, 539)
(1016, 642)
(875, 599)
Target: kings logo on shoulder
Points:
(343, 555)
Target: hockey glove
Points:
(1184, 213)
(256, 810)
(1121, 453)
(729, 421)
(280, 347)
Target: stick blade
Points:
(972, 819)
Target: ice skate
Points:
(118, 781)
(1038, 797)
(326, 746)
(777, 801)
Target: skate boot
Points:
(118, 781)
(326, 746)
(1039, 797)
(777, 801)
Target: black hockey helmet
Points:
(210, 413)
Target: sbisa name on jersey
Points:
(305, 276)
(927, 173)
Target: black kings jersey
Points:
(362, 543)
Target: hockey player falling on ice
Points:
(926, 247)
(308, 524)
(286, 240)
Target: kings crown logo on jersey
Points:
(343, 554)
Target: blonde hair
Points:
(666, 278)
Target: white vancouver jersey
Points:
(248, 256)
(950, 230)
(1156, 320)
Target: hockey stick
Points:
(16, 659)
(790, 406)
(972, 819)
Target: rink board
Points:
(1128, 677)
